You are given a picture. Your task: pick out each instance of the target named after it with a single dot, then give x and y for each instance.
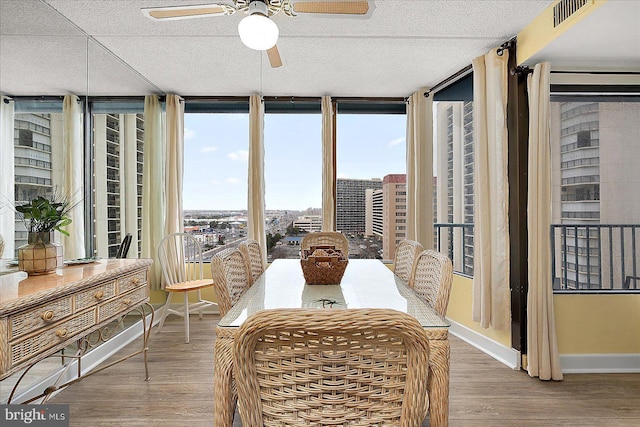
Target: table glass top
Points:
(366, 283)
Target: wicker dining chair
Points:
(231, 276)
(301, 367)
(253, 254)
(406, 253)
(431, 279)
(326, 238)
(180, 257)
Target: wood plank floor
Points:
(484, 393)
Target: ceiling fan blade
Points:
(332, 7)
(274, 57)
(186, 12)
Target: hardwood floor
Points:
(484, 393)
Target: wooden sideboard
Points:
(40, 315)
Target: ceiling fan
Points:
(257, 30)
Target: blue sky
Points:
(216, 157)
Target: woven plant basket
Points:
(323, 265)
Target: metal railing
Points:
(598, 257)
(584, 257)
(456, 241)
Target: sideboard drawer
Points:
(54, 335)
(122, 304)
(95, 295)
(131, 282)
(45, 315)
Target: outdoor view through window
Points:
(371, 156)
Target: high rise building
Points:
(374, 211)
(394, 194)
(455, 160)
(35, 161)
(118, 145)
(595, 181)
(350, 203)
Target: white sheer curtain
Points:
(73, 180)
(256, 209)
(7, 189)
(491, 297)
(153, 182)
(175, 163)
(542, 347)
(420, 169)
(328, 166)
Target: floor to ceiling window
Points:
(595, 189)
(216, 149)
(293, 174)
(371, 177)
(37, 155)
(117, 145)
(454, 173)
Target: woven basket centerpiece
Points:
(323, 265)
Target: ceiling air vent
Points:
(565, 8)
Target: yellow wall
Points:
(585, 324)
(460, 306)
(595, 324)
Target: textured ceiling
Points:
(53, 47)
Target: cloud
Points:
(239, 155)
(396, 141)
(232, 181)
(215, 182)
(189, 134)
(209, 149)
(342, 175)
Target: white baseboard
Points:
(600, 363)
(501, 353)
(89, 361)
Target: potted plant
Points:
(42, 216)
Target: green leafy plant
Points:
(45, 215)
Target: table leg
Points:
(439, 353)
(224, 401)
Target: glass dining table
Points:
(366, 283)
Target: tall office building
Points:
(118, 145)
(35, 162)
(455, 160)
(374, 211)
(394, 194)
(595, 181)
(350, 203)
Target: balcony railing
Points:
(599, 257)
(456, 240)
(585, 258)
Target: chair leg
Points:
(163, 315)
(199, 299)
(186, 317)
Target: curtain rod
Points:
(449, 80)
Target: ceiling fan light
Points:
(258, 32)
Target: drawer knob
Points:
(47, 316)
(99, 295)
(126, 301)
(62, 332)
(135, 280)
